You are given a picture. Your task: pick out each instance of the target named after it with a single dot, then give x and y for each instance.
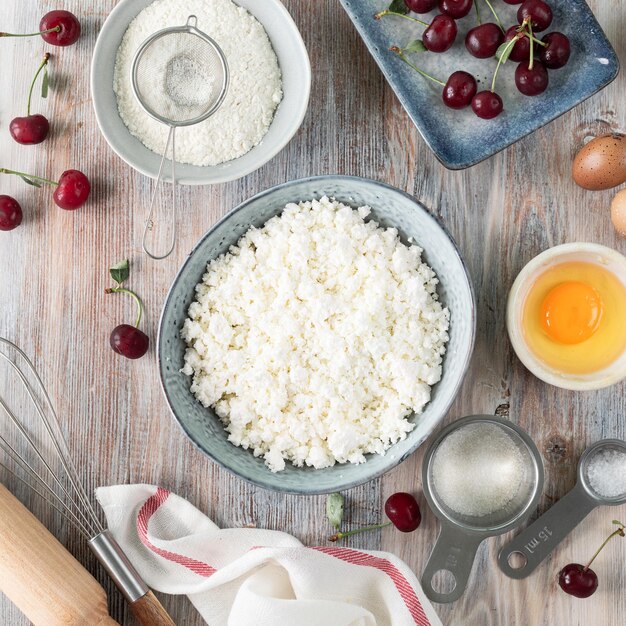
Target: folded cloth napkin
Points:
(254, 577)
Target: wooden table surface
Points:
(502, 213)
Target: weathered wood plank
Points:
(501, 212)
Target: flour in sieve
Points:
(254, 93)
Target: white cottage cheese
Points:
(254, 93)
(316, 336)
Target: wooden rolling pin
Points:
(41, 577)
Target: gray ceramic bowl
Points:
(390, 207)
(294, 64)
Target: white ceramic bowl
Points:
(570, 252)
(296, 71)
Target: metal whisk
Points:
(51, 474)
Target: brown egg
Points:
(618, 212)
(601, 164)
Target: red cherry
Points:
(68, 24)
(514, 1)
(521, 48)
(420, 6)
(484, 40)
(578, 581)
(10, 213)
(29, 130)
(487, 104)
(129, 341)
(440, 35)
(403, 511)
(556, 53)
(456, 9)
(72, 191)
(539, 13)
(531, 82)
(459, 90)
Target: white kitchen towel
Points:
(253, 577)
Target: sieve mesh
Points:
(179, 76)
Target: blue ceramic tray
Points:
(458, 138)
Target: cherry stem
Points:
(32, 85)
(134, 295)
(348, 533)
(538, 41)
(503, 55)
(4, 170)
(56, 29)
(406, 17)
(477, 12)
(496, 16)
(619, 531)
(400, 53)
(531, 46)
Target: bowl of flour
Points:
(317, 334)
(264, 106)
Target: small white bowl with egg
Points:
(295, 71)
(595, 362)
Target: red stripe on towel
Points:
(406, 591)
(149, 508)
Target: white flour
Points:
(254, 93)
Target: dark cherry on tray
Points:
(531, 82)
(487, 104)
(440, 35)
(539, 13)
(66, 22)
(403, 511)
(420, 6)
(29, 130)
(10, 213)
(483, 41)
(456, 9)
(578, 581)
(556, 53)
(459, 90)
(72, 191)
(129, 341)
(521, 49)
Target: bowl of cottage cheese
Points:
(317, 334)
(265, 103)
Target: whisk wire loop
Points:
(73, 497)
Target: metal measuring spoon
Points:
(537, 541)
(461, 535)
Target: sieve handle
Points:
(454, 552)
(152, 224)
(537, 541)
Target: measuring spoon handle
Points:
(454, 552)
(537, 541)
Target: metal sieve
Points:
(180, 78)
(460, 536)
(524, 553)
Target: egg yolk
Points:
(571, 312)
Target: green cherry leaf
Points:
(334, 509)
(504, 51)
(30, 181)
(415, 46)
(120, 271)
(45, 82)
(398, 6)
